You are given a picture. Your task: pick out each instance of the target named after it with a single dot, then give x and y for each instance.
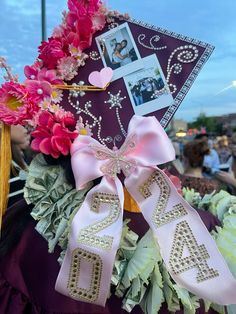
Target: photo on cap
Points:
(119, 51)
(147, 87)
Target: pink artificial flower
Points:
(84, 31)
(52, 136)
(56, 96)
(175, 180)
(58, 31)
(16, 105)
(99, 20)
(38, 90)
(67, 68)
(83, 7)
(65, 118)
(49, 76)
(31, 72)
(51, 52)
(82, 128)
(80, 35)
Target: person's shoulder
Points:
(213, 152)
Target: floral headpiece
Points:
(35, 102)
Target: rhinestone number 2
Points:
(88, 235)
(159, 216)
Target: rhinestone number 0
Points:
(90, 294)
(83, 259)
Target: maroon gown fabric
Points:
(28, 274)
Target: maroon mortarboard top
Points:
(153, 71)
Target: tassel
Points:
(5, 168)
(130, 204)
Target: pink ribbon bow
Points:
(96, 229)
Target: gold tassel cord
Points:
(87, 88)
(130, 204)
(5, 168)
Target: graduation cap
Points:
(153, 70)
(109, 68)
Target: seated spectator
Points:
(211, 161)
(194, 156)
(223, 149)
(232, 159)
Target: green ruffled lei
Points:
(55, 201)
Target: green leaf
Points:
(190, 303)
(218, 308)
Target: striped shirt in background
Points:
(17, 183)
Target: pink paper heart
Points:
(102, 78)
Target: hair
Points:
(116, 45)
(195, 151)
(233, 138)
(201, 136)
(124, 41)
(18, 156)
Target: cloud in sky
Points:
(211, 21)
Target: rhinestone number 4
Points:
(183, 234)
(198, 254)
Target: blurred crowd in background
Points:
(212, 160)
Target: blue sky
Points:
(207, 20)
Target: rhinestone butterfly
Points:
(117, 160)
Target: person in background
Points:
(177, 163)
(20, 140)
(194, 156)
(229, 177)
(223, 149)
(232, 160)
(211, 162)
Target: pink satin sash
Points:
(189, 252)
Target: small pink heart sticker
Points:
(102, 78)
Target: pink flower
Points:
(31, 72)
(175, 180)
(49, 76)
(80, 34)
(99, 20)
(56, 96)
(58, 31)
(84, 32)
(38, 90)
(16, 105)
(67, 68)
(82, 128)
(83, 7)
(65, 118)
(51, 52)
(52, 136)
